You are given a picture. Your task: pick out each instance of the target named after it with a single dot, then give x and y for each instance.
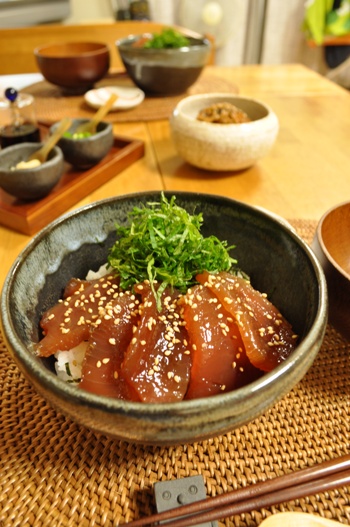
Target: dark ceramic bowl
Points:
(267, 248)
(164, 71)
(74, 66)
(88, 151)
(30, 183)
(332, 247)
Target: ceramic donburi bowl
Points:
(278, 261)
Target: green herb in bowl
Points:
(168, 38)
(163, 243)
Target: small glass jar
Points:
(18, 123)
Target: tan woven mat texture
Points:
(53, 107)
(56, 473)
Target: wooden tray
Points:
(30, 217)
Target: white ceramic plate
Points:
(128, 97)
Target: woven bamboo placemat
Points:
(54, 472)
(52, 106)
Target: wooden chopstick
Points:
(319, 478)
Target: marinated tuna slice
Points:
(108, 341)
(267, 336)
(67, 323)
(219, 361)
(157, 363)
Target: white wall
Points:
(90, 10)
(283, 40)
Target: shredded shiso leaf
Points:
(163, 244)
(168, 38)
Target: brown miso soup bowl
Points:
(268, 249)
(73, 66)
(331, 245)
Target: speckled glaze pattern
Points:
(267, 248)
(30, 183)
(87, 152)
(221, 147)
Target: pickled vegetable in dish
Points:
(77, 135)
(136, 337)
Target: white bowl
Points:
(221, 147)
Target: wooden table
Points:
(307, 171)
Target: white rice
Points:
(69, 363)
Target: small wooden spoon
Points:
(301, 519)
(44, 151)
(91, 126)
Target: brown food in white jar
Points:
(223, 113)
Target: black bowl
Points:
(267, 248)
(167, 71)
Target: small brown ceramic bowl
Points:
(74, 66)
(332, 247)
(29, 183)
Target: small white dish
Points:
(128, 97)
